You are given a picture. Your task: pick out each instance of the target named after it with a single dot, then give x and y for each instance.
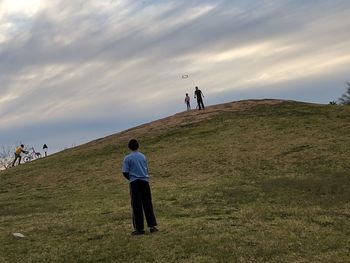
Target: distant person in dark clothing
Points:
(198, 94)
(135, 169)
(45, 149)
(187, 101)
(18, 151)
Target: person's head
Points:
(186, 94)
(22, 145)
(133, 145)
(196, 88)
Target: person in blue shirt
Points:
(187, 101)
(135, 169)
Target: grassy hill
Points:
(250, 181)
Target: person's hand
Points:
(126, 175)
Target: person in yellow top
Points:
(18, 156)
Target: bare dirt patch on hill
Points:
(184, 118)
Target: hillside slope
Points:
(248, 181)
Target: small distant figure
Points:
(18, 151)
(187, 101)
(198, 94)
(45, 149)
(135, 169)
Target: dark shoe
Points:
(153, 229)
(137, 233)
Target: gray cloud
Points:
(122, 61)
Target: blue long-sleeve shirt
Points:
(135, 164)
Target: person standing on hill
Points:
(45, 149)
(187, 101)
(135, 170)
(198, 94)
(18, 151)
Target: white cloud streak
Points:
(63, 61)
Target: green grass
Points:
(267, 184)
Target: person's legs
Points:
(136, 204)
(19, 159)
(147, 205)
(199, 103)
(14, 161)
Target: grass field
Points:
(267, 183)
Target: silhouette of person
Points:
(187, 101)
(45, 149)
(198, 94)
(18, 151)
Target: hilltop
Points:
(247, 181)
(184, 118)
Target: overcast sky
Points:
(76, 70)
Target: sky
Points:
(74, 70)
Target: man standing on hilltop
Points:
(198, 94)
(135, 169)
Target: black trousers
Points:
(200, 103)
(17, 156)
(141, 201)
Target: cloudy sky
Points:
(76, 70)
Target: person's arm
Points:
(25, 152)
(202, 94)
(126, 175)
(146, 165)
(125, 169)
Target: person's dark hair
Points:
(133, 145)
(22, 145)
